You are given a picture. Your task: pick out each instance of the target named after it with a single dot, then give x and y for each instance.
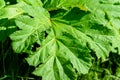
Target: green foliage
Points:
(67, 35)
(2, 4)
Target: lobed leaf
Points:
(57, 50)
(74, 30)
(31, 26)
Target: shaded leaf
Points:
(7, 27)
(56, 4)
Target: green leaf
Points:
(110, 10)
(56, 4)
(95, 30)
(10, 12)
(32, 2)
(2, 3)
(66, 34)
(31, 27)
(56, 71)
(59, 47)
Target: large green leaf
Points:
(76, 28)
(31, 26)
(61, 50)
(110, 10)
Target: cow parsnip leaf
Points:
(95, 30)
(12, 11)
(56, 71)
(98, 20)
(111, 12)
(60, 47)
(30, 27)
(76, 28)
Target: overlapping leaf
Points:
(64, 4)
(10, 12)
(97, 33)
(111, 12)
(65, 52)
(31, 26)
